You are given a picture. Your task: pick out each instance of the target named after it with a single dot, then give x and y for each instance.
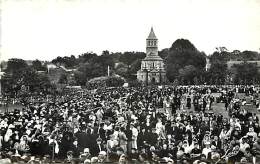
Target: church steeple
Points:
(151, 44)
(152, 68)
(151, 35)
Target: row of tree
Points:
(22, 79)
(184, 63)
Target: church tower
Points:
(151, 44)
(152, 67)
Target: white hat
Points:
(102, 153)
(86, 150)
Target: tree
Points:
(19, 75)
(181, 54)
(221, 49)
(114, 81)
(83, 58)
(247, 72)
(121, 69)
(88, 71)
(16, 65)
(218, 71)
(68, 62)
(130, 57)
(37, 65)
(63, 79)
(188, 73)
(163, 53)
(14, 76)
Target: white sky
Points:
(45, 29)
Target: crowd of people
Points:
(136, 125)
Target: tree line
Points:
(184, 64)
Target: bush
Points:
(134, 83)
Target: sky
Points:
(45, 29)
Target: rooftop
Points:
(152, 34)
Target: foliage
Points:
(121, 69)
(134, 83)
(85, 57)
(163, 53)
(241, 73)
(68, 62)
(63, 79)
(246, 73)
(183, 53)
(184, 64)
(217, 73)
(236, 55)
(19, 77)
(187, 74)
(15, 65)
(37, 65)
(114, 81)
(130, 57)
(87, 71)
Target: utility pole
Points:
(1, 74)
(108, 71)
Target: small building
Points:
(231, 63)
(152, 67)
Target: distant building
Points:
(152, 67)
(232, 63)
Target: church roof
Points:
(152, 58)
(152, 35)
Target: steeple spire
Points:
(151, 35)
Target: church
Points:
(152, 67)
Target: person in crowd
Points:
(127, 125)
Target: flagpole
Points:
(108, 71)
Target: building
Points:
(231, 63)
(152, 67)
